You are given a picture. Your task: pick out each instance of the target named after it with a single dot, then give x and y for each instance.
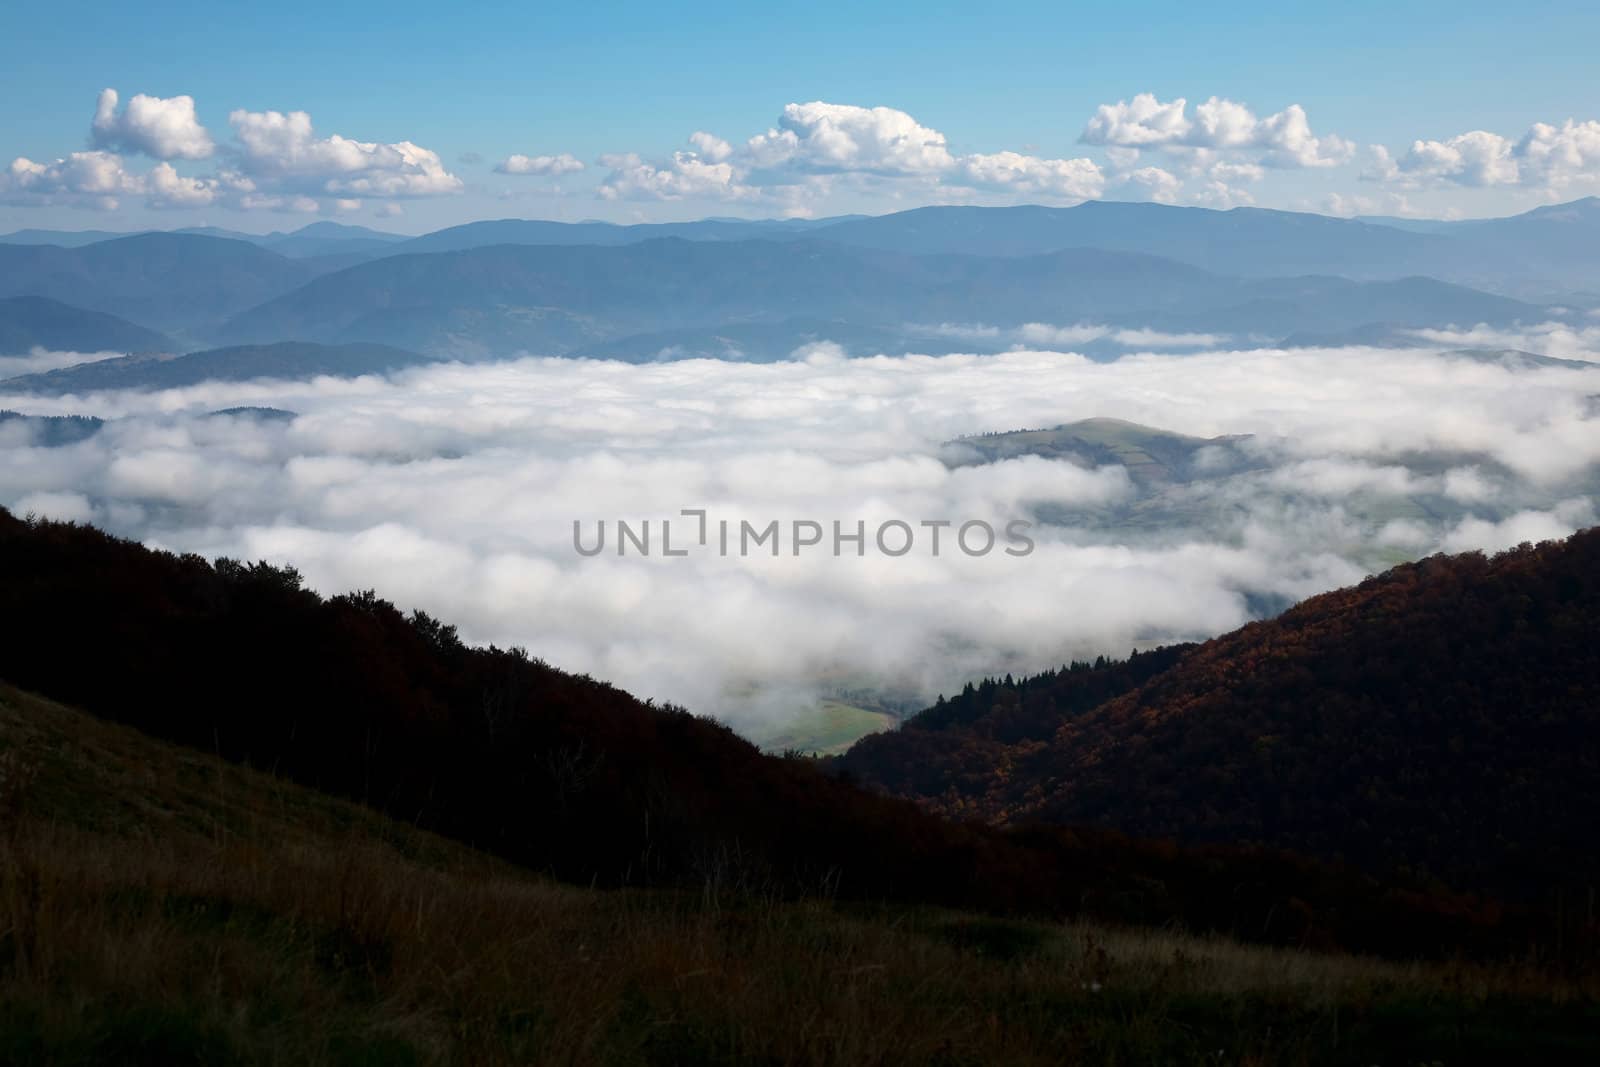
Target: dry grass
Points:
(157, 906)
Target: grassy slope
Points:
(826, 730)
(159, 906)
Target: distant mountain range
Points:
(1541, 255)
(760, 289)
(29, 322)
(555, 300)
(176, 283)
(317, 239)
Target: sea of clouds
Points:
(454, 488)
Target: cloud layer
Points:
(454, 488)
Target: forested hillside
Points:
(1441, 719)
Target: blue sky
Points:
(479, 83)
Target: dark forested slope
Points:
(1441, 718)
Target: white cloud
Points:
(1155, 184)
(1478, 158)
(1067, 179)
(1281, 140)
(1141, 122)
(685, 175)
(156, 127)
(1389, 203)
(284, 149)
(83, 179)
(62, 507)
(168, 188)
(710, 147)
(843, 137)
(1553, 160)
(1556, 157)
(277, 163)
(453, 488)
(819, 144)
(554, 166)
(1222, 196)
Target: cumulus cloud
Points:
(1067, 179)
(276, 162)
(554, 166)
(710, 147)
(1556, 157)
(1283, 139)
(156, 127)
(684, 175)
(844, 137)
(285, 149)
(1477, 158)
(1553, 160)
(819, 144)
(453, 488)
(82, 179)
(99, 179)
(1222, 196)
(1154, 183)
(168, 188)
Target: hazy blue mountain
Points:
(1549, 253)
(1398, 222)
(63, 238)
(1556, 247)
(1372, 335)
(330, 238)
(27, 322)
(178, 283)
(207, 231)
(1328, 305)
(316, 239)
(289, 360)
(556, 300)
(1244, 241)
(541, 232)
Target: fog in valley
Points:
(454, 488)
